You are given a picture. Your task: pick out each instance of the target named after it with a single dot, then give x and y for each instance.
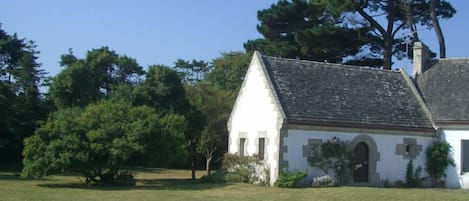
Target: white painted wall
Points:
(454, 177)
(256, 114)
(391, 167)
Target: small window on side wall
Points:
(465, 155)
(261, 146)
(242, 143)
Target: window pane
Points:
(242, 141)
(261, 148)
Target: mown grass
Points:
(160, 184)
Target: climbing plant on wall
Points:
(334, 157)
(438, 159)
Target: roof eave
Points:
(362, 126)
(455, 122)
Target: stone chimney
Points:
(421, 58)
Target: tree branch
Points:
(372, 21)
(397, 29)
(391, 11)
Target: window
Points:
(242, 142)
(407, 148)
(260, 154)
(465, 155)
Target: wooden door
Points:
(361, 156)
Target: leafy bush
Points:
(216, 177)
(386, 184)
(102, 138)
(244, 169)
(323, 181)
(289, 179)
(334, 156)
(400, 184)
(438, 159)
(412, 178)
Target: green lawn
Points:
(156, 184)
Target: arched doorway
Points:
(361, 162)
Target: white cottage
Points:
(444, 85)
(286, 106)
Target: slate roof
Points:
(323, 93)
(445, 89)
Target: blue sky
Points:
(159, 32)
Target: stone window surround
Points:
(246, 142)
(312, 143)
(259, 134)
(262, 134)
(409, 149)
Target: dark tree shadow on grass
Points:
(16, 176)
(9, 176)
(145, 184)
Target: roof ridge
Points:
(335, 64)
(454, 58)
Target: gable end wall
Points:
(256, 114)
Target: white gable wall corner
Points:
(386, 161)
(454, 135)
(257, 114)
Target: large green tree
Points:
(401, 16)
(99, 140)
(191, 71)
(163, 90)
(215, 104)
(23, 106)
(214, 97)
(84, 81)
(228, 70)
(363, 32)
(308, 30)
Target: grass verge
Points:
(162, 184)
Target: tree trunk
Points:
(207, 165)
(436, 26)
(387, 59)
(389, 37)
(193, 160)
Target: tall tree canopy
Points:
(213, 98)
(215, 104)
(22, 105)
(228, 70)
(307, 30)
(163, 89)
(84, 81)
(400, 15)
(191, 71)
(362, 32)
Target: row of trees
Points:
(122, 115)
(104, 111)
